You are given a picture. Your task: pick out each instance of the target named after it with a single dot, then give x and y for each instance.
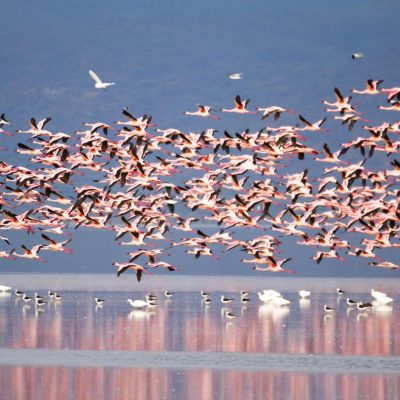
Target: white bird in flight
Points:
(236, 76)
(357, 55)
(99, 83)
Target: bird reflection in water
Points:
(202, 384)
(185, 325)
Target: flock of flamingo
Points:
(145, 184)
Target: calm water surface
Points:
(183, 348)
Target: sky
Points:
(165, 57)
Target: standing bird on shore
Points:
(226, 300)
(230, 315)
(4, 288)
(139, 303)
(304, 294)
(99, 302)
(380, 297)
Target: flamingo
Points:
(56, 246)
(32, 253)
(340, 100)
(162, 264)
(142, 122)
(330, 254)
(224, 188)
(275, 110)
(316, 126)
(275, 265)
(391, 93)
(230, 315)
(122, 267)
(384, 264)
(37, 128)
(371, 87)
(395, 106)
(240, 107)
(331, 157)
(202, 111)
(350, 119)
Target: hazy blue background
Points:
(166, 56)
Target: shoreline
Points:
(189, 283)
(183, 360)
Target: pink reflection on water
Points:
(20, 383)
(185, 324)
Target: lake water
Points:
(184, 349)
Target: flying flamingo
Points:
(391, 93)
(122, 267)
(56, 246)
(240, 107)
(275, 110)
(340, 100)
(330, 254)
(37, 128)
(371, 87)
(32, 253)
(395, 106)
(384, 264)
(331, 157)
(308, 126)
(202, 111)
(275, 266)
